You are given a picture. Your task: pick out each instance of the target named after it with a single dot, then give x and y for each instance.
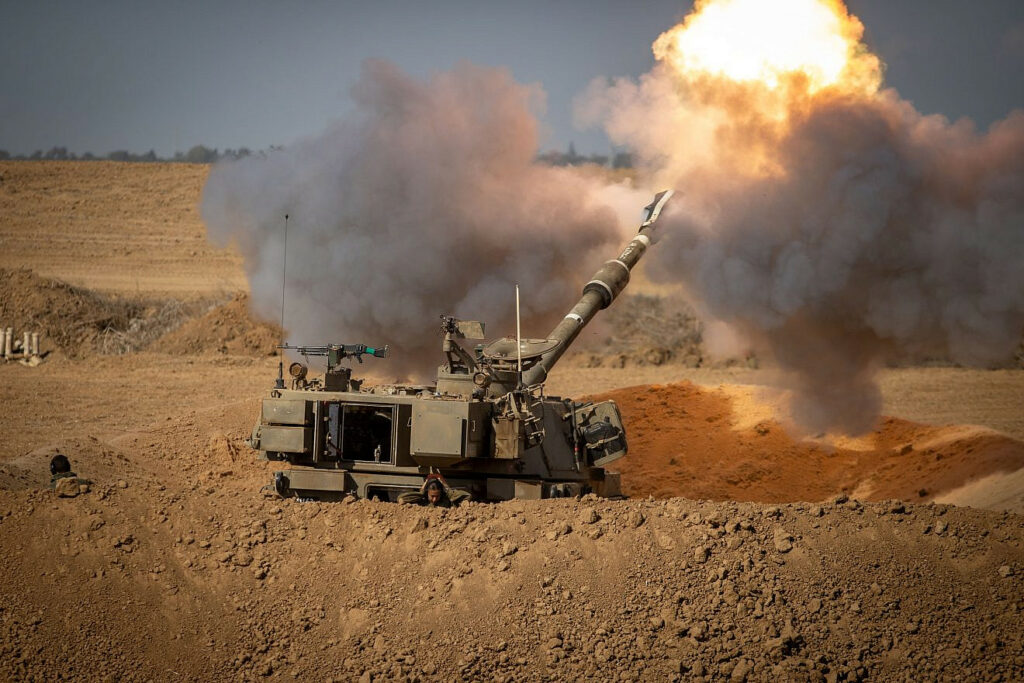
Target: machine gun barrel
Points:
(600, 292)
(336, 352)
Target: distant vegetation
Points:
(571, 158)
(201, 154)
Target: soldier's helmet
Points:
(60, 464)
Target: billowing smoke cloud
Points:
(835, 230)
(425, 200)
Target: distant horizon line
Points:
(201, 154)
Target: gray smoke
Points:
(424, 200)
(887, 236)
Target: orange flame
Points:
(745, 70)
(812, 44)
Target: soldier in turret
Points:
(434, 493)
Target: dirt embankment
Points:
(723, 445)
(80, 322)
(229, 329)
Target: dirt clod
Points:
(782, 540)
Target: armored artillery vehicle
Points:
(485, 426)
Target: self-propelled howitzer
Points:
(486, 427)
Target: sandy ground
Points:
(115, 227)
(175, 565)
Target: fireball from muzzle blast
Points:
(823, 219)
(814, 44)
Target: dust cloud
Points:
(424, 200)
(834, 230)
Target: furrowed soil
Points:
(746, 551)
(113, 227)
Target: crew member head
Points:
(435, 492)
(60, 464)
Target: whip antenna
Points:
(284, 284)
(519, 340)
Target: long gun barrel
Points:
(600, 292)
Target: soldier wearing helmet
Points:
(66, 483)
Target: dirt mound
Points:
(693, 442)
(228, 329)
(79, 321)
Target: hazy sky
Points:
(105, 75)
